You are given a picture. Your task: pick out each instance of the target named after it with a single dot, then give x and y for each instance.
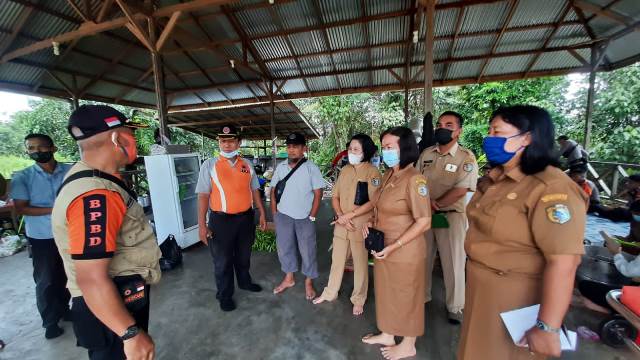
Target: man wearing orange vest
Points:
(227, 188)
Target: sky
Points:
(11, 103)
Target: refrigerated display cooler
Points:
(172, 182)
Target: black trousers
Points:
(99, 340)
(52, 296)
(233, 236)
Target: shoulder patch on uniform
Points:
(468, 166)
(421, 180)
(558, 213)
(375, 181)
(422, 189)
(554, 197)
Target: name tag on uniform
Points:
(451, 167)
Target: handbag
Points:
(362, 193)
(279, 189)
(375, 240)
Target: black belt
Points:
(220, 213)
(445, 211)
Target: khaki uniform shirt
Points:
(455, 169)
(515, 220)
(132, 245)
(345, 191)
(402, 198)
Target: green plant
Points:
(265, 241)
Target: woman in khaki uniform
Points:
(402, 212)
(355, 186)
(526, 227)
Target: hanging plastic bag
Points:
(171, 254)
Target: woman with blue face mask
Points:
(402, 212)
(525, 239)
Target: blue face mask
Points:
(229, 155)
(493, 146)
(391, 157)
(375, 161)
(636, 218)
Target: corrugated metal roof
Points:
(353, 54)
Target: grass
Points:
(11, 163)
(265, 241)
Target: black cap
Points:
(89, 120)
(296, 138)
(228, 131)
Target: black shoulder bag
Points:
(279, 189)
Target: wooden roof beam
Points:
(104, 71)
(452, 46)
(237, 119)
(85, 16)
(22, 20)
(106, 7)
(548, 39)
(604, 12)
(89, 28)
(128, 90)
(318, 12)
(401, 65)
(512, 9)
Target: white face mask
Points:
(229, 155)
(355, 159)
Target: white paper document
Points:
(520, 320)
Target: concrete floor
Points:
(186, 322)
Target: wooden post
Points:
(406, 103)
(75, 103)
(429, 19)
(158, 80)
(273, 125)
(590, 95)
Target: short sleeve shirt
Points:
(455, 169)
(297, 199)
(39, 188)
(204, 178)
(402, 198)
(516, 220)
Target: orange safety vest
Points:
(585, 186)
(230, 186)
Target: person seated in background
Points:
(573, 152)
(630, 243)
(630, 192)
(595, 293)
(579, 175)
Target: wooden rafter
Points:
(547, 40)
(92, 28)
(108, 68)
(68, 88)
(204, 31)
(605, 12)
(243, 35)
(126, 91)
(607, 6)
(134, 27)
(401, 65)
(238, 119)
(20, 22)
(318, 12)
(578, 57)
(85, 17)
(166, 32)
(104, 10)
(58, 60)
(452, 46)
(512, 9)
(409, 42)
(276, 17)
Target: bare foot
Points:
(399, 351)
(380, 339)
(309, 290)
(358, 310)
(319, 300)
(284, 285)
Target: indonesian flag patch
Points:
(112, 121)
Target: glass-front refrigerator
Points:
(172, 183)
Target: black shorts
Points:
(99, 340)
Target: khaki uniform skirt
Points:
(490, 293)
(400, 290)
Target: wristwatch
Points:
(312, 218)
(544, 327)
(131, 331)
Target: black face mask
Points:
(443, 136)
(41, 156)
